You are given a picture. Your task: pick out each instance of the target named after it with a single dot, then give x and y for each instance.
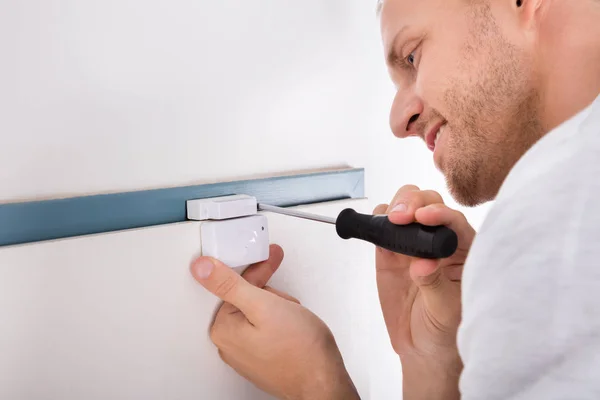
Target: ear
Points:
(528, 11)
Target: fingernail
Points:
(203, 268)
(401, 207)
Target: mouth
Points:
(433, 135)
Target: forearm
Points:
(424, 379)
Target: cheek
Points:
(442, 70)
(438, 76)
(430, 82)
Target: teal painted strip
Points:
(55, 219)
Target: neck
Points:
(569, 48)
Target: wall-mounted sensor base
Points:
(224, 207)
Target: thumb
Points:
(229, 286)
(441, 296)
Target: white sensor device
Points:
(233, 232)
(236, 242)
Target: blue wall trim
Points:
(61, 218)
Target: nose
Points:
(406, 110)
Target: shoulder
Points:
(564, 162)
(569, 146)
(529, 257)
(550, 192)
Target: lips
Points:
(433, 134)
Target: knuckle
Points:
(409, 188)
(439, 209)
(454, 215)
(224, 357)
(410, 196)
(407, 198)
(224, 333)
(426, 198)
(434, 196)
(226, 287)
(404, 192)
(381, 208)
(439, 206)
(215, 336)
(460, 215)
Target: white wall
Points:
(131, 323)
(114, 95)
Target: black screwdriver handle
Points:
(414, 240)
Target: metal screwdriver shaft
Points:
(298, 214)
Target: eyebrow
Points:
(392, 56)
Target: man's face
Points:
(464, 73)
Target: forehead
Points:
(397, 15)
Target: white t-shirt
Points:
(531, 284)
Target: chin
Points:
(465, 199)
(464, 189)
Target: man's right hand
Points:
(269, 338)
(420, 298)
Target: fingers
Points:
(230, 287)
(402, 192)
(440, 214)
(380, 209)
(259, 274)
(281, 294)
(400, 197)
(427, 207)
(440, 295)
(408, 200)
(233, 363)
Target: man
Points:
(505, 93)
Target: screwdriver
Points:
(415, 240)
